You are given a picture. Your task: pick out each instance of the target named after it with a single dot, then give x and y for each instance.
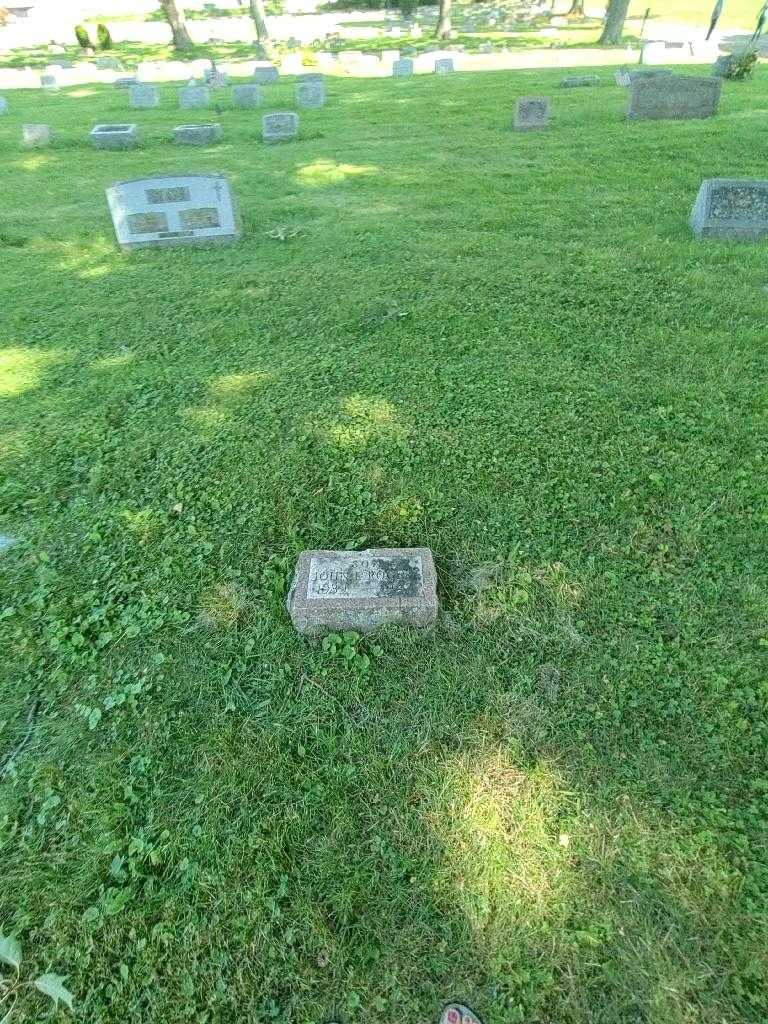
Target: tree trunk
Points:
(259, 15)
(444, 20)
(577, 8)
(174, 15)
(613, 26)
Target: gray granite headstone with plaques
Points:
(361, 590)
(173, 209)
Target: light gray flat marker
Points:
(279, 127)
(531, 113)
(194, 97)
(360, 590)
(174, 209)
(733, 209)
(197, 134)
(143, 96)
(115, 136)
(36, 135)
(246, 96)
(310, 95)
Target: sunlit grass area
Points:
(507, 347)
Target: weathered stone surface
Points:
(246, 96)
(197, 134)
(173, 209)
(36, 135)
(444, 66)
(3, 105)
(115, 136)
(579, 81)
(626, 76)
(194, 97)
(266, 74)
(402, 68)
(679, 97)
(143, 97)
(734, 209)
(49, 83)
(531, 113)
(279, 127)
(361, 590)
(310, 95)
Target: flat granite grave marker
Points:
(36, 135)
(734, 209)
(626, 76)
(143, 96)
(310, 95)
(677, 97)
(115, 136)
(531, 113)
(197, 134)
(279, 127)
(579, 81)
(361, 590)
(402, 68)
(246, 96)
(173, 209)
(266, 75)
(194, 97)
(444, 66)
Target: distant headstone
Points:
(310, 95)
(216, 79)
(36, 135)
(173, 209)
(115, 136)
(444, 66)
(677, 98)
(194, 97)
(246, 96)
(734, 209)
(360, 590)
(266, 75)
(125, 83)
(531, 113)
(312, 76)
(626, 76)
(109, 64)
(579, 81)
(143, 96)
(402, 68)
(3, 105)
(49, 83)
(722, 66)
(63, 62)
(197, 134)
(279, 127)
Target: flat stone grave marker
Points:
(310, 95)
(173, 209)
(312, 76)
(194, 97)
(402, 68)
(266, 75)
(246, 96)
(444, 66)
(679, 98)
(125, 83)
(626, 76)
(143, 97)
(197, 134)
(49, 82)
(579, 81)
(36, 135)
(279, 127)
(115, 136)
(360, 590)
(531, 113)
(734, 209)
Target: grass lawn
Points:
(506, 347)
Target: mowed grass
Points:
(507, 347)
